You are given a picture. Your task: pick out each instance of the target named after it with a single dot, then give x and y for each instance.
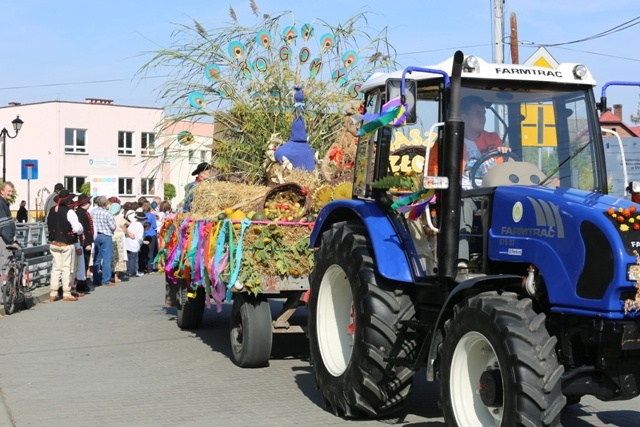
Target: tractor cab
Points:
(528, 126)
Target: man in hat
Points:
(64, 229)
(50, 203)
(7, 224)
(86, 239)
(201, 173)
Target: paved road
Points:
(117, 358)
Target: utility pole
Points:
(515, 59)
(498, 31)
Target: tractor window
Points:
(408, 143)
(551, 130)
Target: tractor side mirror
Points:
(393, 89)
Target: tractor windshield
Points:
(554, 130)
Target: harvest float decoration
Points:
(281, 95)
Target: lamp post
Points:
(4, 133)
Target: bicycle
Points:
(17, 287)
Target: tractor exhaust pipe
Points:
(451, 198)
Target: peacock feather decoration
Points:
(243, 78)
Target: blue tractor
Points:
(518, 292)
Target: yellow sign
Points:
(539, 126)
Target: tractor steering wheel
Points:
(484, 158)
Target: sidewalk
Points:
(38, 295)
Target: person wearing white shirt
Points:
(133, 241)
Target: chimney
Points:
(15, 104)
(617, 110)
(99, 101)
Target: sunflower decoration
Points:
(321, 196)
(342, 191)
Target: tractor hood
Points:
(582, 243)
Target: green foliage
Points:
(396, 181)
(169, 191)
(262, 103)
(86, 189)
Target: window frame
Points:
(147, 149)
(125, 145)
(75, 187)
(144, 186)
(75, 148)
(122, 186)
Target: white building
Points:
(95, 141)
(114, 147)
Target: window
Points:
(125, 186)
(203, 156)
(192, 157)
(148, 144)
(148, 186)
(73, 183)
(75, 140)
(125, 142)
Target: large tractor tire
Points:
(499, 366)
(354, 320)
(190, 310)
(250, 331)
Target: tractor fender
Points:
(389, 254)
(463, 291)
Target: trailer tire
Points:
(499, 365)
(353, 322)
(189, 310)
(250, 331)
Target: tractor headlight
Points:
(471, 63)
(579, 71)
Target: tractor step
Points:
(416, 325)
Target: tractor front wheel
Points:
(499, 365)
(354, 319)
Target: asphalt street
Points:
(117, 358)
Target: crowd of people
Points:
(100, 241)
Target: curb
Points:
(38, 295)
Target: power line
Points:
(76, 83)
(625, 25)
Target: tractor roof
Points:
(563, 73)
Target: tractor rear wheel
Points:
(354, 320)
(499, 366)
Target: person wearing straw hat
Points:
(64, 229)
(202, 173)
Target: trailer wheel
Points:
(353, 321)
(190, 310)
(499, 366)
(250, 331)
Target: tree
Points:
(169, 191)
(248, 74)
(86, 189)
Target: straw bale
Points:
(212, 197)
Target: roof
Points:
(563, 73)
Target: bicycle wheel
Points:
(11, 291)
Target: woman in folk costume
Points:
(119, 260)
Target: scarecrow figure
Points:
(297, 149)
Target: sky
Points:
(70, 50)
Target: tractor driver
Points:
(477, 142)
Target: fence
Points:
(33, 239)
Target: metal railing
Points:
(33, 239)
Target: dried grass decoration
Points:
(212, 198)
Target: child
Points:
(134, 241)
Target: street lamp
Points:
(4, 133)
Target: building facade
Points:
(111, 146)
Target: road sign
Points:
(542, 58)
(29, 169)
